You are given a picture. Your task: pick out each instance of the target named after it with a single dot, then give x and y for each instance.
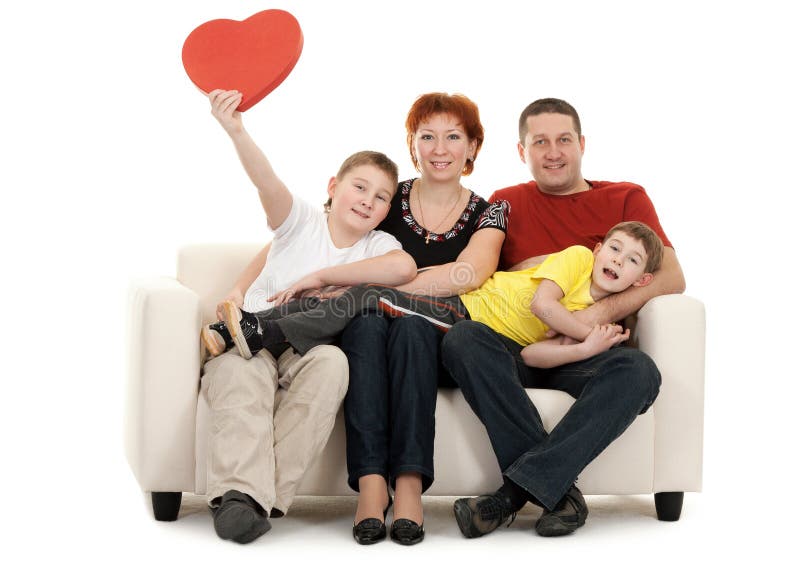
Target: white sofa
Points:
(167, 420)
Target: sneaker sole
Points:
(210, 343)
(232, 318)
(464, 519)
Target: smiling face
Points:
(553, 151)
(442, 147)
(619, 262)
(360, 198)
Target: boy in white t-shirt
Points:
(272, 414)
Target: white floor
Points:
(622, 538)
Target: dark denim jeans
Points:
(391, 400)
(610, 389)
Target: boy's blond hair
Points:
(374, 158)
(652, 243)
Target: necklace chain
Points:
(422, 213)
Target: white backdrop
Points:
(111, 161)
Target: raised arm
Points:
(667, 280)
(473, 266)
(275, 197)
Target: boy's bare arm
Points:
(245, 280)
(275, 197)
(393, 268)
(545, 305)
(563, 350)
(667, 280)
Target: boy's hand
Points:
(234, 296)
(223, 107)
(309, 282)
(602, 338)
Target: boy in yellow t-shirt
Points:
(522, 305)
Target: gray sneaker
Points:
(569, 514)
(481, 515)
(239, 518)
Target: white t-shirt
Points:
(302, 245)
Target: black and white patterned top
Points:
(442, 247)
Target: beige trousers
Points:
(270, 419)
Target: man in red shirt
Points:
(558, 209)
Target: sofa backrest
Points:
(211, 269)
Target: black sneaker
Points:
(569, 514)
(216, 339)
(243, 328)
(240, 518)
(481, 515)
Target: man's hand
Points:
(235, 296)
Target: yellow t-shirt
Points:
(503, 302)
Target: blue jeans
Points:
(391, 400)
(610, 389)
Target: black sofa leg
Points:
(166, 506)
(669, 505)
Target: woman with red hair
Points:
(455, 237)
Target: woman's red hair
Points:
(457, 106)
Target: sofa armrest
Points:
(671, 330)
(163, 383)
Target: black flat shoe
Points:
(372, 530)
(369, 531)
(407, 532)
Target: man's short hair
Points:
(652, 243)
(548, 105)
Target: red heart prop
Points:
(252, 56)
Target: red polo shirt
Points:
(540, 223)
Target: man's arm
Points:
(667, 280)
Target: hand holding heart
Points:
(252, 56)
(223, 107)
